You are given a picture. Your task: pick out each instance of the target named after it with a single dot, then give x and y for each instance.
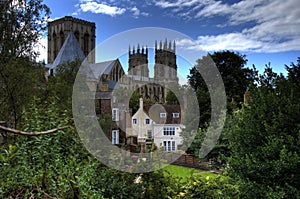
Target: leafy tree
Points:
(21, 25)
(235, 76)
(61, 84)
(134, 102)
(171, 98)
(236, 79)
(264, 138)
(54, 165)
(21, 80)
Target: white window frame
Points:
(115, 137)
(134, 121)
(175, 115)
(163, 115)
(169, 145)
(169, 131)
(115, 114)
(147, 120)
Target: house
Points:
(157, 124)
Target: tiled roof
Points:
(154, 110)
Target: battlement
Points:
(165, 47)
(143, 50)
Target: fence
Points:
(190, 161)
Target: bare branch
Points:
(18, 132)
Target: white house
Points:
(159, 124)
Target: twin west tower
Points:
(165, 67)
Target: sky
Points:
(266, 31)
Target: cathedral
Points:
(84, 32)
(165, 71)
(70, 38)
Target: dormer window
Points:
(175, 115)
(134, 121)
(163, 115)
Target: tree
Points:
(264, 138)
(61, 84)
(21, 23)
(236, 80)
(134, 102)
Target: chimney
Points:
(141, 103)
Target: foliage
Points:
(21, 25)
(61, 85)
(20, 77)
(21, 80)
(264, 138)
(171, 98)
(134, 102)
(208, 188)
(56, 164)
(235, 76)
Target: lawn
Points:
(184, 172)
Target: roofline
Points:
(73, 19)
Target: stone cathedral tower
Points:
(84, 31)
(165, 67)
(138, 61)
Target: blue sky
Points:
(263, 30)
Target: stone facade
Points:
(84, 31)
(165, 71)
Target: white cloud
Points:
(178, 3)
(100, 8)
(41, 48)
(136, 12)
(272, 24)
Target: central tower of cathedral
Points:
(84, 31)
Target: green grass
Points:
(184, 172)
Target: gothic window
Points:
(86, 44)
(62, 38)
(55, 44)
(162, 72)
(117, 74)
(77, 35)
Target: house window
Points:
(175, 115)
(115, 114)
(134, 121)
(163, 115)
(169, 146)
(115, 137)
(169, 131)
(147, 121)
(149, 134)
